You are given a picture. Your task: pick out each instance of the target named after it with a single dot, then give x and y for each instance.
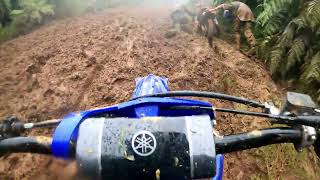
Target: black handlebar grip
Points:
(37, 144)
(313, 121)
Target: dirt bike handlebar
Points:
(147, 132)
(220, 145)
(224, 144)
(12, 127)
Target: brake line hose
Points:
(213, 95)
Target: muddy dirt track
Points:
(93, 60)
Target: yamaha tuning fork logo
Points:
(144, 143)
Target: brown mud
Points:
(93, 60)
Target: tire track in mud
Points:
(93, 74)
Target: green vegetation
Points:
(4, 13)
(32, 12)
(290, 42)
(20, 16)
(288, 32)
(283, 159)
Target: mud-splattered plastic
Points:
(139, 148)
(67, 130)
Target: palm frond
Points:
(274, 8)
(310, 78)
(264, 47)
(288, 35)
(275, 25)
(311, 74)
(276, 56)
(313, 12)
(297, 51)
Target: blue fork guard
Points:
(68, 128)
(219, 167)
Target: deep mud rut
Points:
(93, 60)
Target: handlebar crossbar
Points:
(224, 144)
(257, 138)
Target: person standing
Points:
(243, 20)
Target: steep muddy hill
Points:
(93, 60)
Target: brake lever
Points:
(270, 108)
